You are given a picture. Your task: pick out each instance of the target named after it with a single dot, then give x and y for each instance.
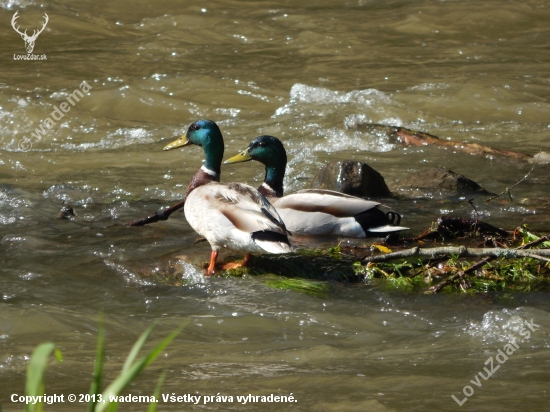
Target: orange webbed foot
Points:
(236, 265)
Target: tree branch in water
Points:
(162, 215)
(408, 137)
(481, 263)
(460, 251)
(507, 190)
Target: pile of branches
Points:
(522, 259)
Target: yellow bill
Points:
(182, 141)
(241, 157)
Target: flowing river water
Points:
(306, 72)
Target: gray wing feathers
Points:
(245, 207)
(325, 201)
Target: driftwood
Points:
(408, 137)
(162, 215)
(461, 251)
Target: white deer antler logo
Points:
(29, 40)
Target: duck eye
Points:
(262, 144)
(194, 126)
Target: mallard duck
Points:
(313, 211)
(231, 215)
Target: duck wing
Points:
(325, 201)
(246, 208)
(326, 212)
(236, 216)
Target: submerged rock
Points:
(436, 182)
(352, 178)
(66, 213)
(541, 158)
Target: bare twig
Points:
(507, 190)
(481, 263)
(462, 273)
(535, 242)
(460, 251)
(540, 258)
(471, 202)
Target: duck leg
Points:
(212, 264)
(235, 265)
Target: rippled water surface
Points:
(306, 72)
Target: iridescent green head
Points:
(270, 151)
(206, 134)
(265, 149)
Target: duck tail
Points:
(376, 221)
(272, 242)
(394, 218)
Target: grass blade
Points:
(131, 372)
(35, 372)
(137, 347)
(98, 366)
(153, 405)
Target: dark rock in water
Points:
(352, 178)
(435, 182)
(66, 213)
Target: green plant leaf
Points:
(95, 387)
(35, 373)
(156, 394)
(137, 347)
(130, 372)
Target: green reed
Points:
(99, 401)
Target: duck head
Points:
(265, 149)
(206, 134)
(269, 151)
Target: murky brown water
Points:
(303, 71)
